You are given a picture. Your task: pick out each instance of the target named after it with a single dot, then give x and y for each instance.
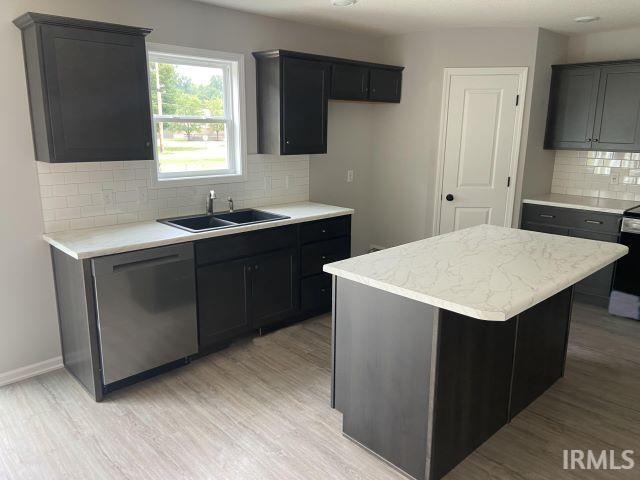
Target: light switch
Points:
(349, 176)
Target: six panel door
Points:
(305, 101)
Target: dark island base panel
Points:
(423, 387)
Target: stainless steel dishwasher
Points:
(146, 304)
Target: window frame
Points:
(232, 65)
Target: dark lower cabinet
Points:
(255, 279)
(604, 227)
(272, 287)
(88, 89)
(222, 302)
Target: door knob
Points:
(449, 197)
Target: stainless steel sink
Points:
(201, 223)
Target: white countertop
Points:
(96, 242)
(607, 205)
(485, 272)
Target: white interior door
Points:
(482, 119)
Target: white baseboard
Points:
(29, 371)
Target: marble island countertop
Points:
(595, 204)
(485, 272)
(96, 242)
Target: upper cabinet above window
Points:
(88, 89)
(293, 90)
(595, 107)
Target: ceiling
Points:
(403, 16)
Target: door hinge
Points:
(508, 181)
(517, 100)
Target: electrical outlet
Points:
(349, 176)
(109, 198)
(614, 179)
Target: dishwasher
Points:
(146, 310)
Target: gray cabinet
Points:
(88, 89)
(594, 107)
(600, 226)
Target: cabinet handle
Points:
(324, 230)
(594, 222)
(148, 144)
(256, 267)
(546, 215)
(322, 290)
(588, 139)
(288, 142)
(324, 257)
(249, 268)
(595, 140)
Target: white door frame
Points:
(515, 152)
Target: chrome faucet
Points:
(230, 200)
(210, 198)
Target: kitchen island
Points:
(439, 343)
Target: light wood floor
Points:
(259, 410)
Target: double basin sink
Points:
(200, 223)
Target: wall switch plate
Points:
(614, 179)
(349, 176)
(109, 199)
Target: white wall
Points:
(350, 139)
(539, 163)
(406, 135)
(603, 46)
(28, 324)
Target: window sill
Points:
(197, 181)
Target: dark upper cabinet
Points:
(572, 107)
(304, 103)
(88, 89)
(349, 82)
(595, 106)
(385, 85)
(293, 90)
(617, 125)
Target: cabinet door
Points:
(98, 95)
(540, 227)
(272, 287)
(599, 283)
(305, 97)
(222, 302)
(385, 85)
(349, 82)
(572, 107)
(617, 125)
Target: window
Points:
(198, 118)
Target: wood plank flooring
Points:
(260, 410)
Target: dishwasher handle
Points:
(141, 259)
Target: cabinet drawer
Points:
(316, 292)
(315, 255)
(245, 244)
(325, 229)
(572, 218)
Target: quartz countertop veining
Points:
(96, 242)
(596, 204)
(485, 272)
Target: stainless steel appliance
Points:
(146, 305)
(625, 295)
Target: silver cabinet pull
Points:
(594, 222)
(546, 215)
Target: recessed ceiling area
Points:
(403, 16)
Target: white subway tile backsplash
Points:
(590, 174)
(88, 194)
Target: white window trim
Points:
(196, 56)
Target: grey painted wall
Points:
(538, 169)
(28, 324)
(614, 45)
(406, 135)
